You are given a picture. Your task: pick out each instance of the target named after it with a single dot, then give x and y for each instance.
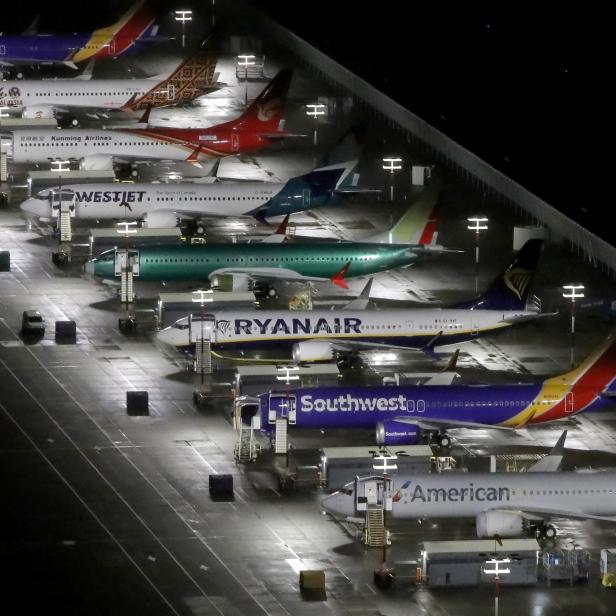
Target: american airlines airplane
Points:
(70, 49)
(97, 149)
(318, 335)
(46, 98)
(503, 504)
(162, 205)
(400, 414)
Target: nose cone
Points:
(339, 504)
(169, 335)
(36, 207)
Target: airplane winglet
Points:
(194, 155)
(338, 278)
(282, 227)
(128, 105)
(452, 363)
(145, 118)
(365, 292)
(551, 462)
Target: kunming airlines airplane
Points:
(161, 205)
(97, 149)
(317, 335)
(70, 49)
(44, 98)
(400, 414)
(503, 504)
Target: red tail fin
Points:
(266, 111)
(338, 278)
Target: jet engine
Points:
(501, 523)
(160, 220)
(37, 112)
(231, 282)
(96, 162)
(397, 433)
(312, 351)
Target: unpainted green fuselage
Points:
(198, 261)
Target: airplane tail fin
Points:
(193, 77)
(118, 37)
(418, 224)
(265, 112)
(510, 289)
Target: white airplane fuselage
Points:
(37, 98)
(40, 146)
(138, 200)
(460, 495)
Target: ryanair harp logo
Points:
(223, 326)
(518, 280)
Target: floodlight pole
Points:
(392, 164)
(573, 292)
(183, 16)
(496, 573)
(478, 224)
(315, 110)
(127, 271)
(246, 61)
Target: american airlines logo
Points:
(470, 493)
(518, 280)
(349, 403)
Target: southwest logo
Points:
(397, 496)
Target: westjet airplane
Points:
(163, 205)
(503, 504)
(318, 335)
(70, 49)
(46, 98)
(98, 149)
(400, 414)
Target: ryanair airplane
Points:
(317, 335)
(503, 504)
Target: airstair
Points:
(203, 356)
(375, 526)
(281, 441)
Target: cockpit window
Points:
(43, 194)
(348, 491)
(178, 325)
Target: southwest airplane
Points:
(44, 98)
(70, 49)
(317, 335)
(400, 414)
(161, 205)
(240, 266)
(97, 149)
(503, 504)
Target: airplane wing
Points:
(539, 513)
(268, 273)
(439, 424)
(528, 316)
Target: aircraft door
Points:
(281, 405)
(474, 327)
(124, 258)
(62, 199)
(171, 92)
(235, 142)
(111, 47)
(2, 50)
(306, 197)
(569, 402)
(202, 327)
(371, 492)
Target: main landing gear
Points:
(442, 439)
(545, 531)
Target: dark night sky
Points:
(523, 87)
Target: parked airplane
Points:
(400, 414)
(503, 504)
(240, 267)
(97, 149)
(161, 205)
(45, 98)
(318, 335)
(70, 49)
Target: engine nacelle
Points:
(160, 220)
(501, 523)
(96, 162)
(397, 433)
(37, 112)
(312, 351)
(231, 282)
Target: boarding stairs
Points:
(281, 441)
(375, 526)
(203, 356)
(127, 294)
(64, 222)
(246, 448)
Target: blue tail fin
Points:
(509, 291)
